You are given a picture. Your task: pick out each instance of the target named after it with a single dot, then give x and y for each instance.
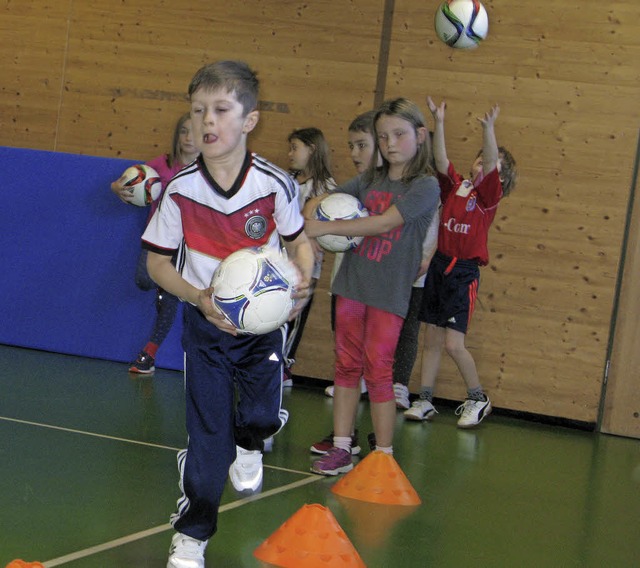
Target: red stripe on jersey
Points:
(249, 226)
(473, 294)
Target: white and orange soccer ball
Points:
(143, 184)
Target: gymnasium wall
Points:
(69, 254)
(105, 81)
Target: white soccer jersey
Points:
(207, 224)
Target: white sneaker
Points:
(401, 393)
(420, 410)
(268, 444)
(186, 552)
(246, 471)
(330, 389)
(472, 412)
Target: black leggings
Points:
(166, 304)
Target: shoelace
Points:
(189, 547)
(467, 407)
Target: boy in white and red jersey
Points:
(468, 209)
(226, 200)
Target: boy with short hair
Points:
(226, 200)
(361, 142)
(468, 209)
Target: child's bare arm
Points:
(439, 147)
(300, 252)
(489, 144)
(167, 277)
(309, 208)
(361, 227)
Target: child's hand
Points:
(424, 266)
(205, 305)
(437, 111)
(302, 293)
(121, 191)
(490, 117)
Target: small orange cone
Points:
(378, 479)
(22, 564)
(311, 538)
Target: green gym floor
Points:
(89, 479)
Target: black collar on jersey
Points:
(237, 184)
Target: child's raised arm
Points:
(490, 153)
(439, 147)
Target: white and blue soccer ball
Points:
(338, 207)
(143, 184)
(253, 289)
(462, 24)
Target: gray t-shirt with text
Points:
(381, 270)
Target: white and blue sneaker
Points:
(246, 471)
(401, 394)
(421, 409)
(186, 552)
(472, 412)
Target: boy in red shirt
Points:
(468, 209)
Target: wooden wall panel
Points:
(566, 77)
(109, 79)
(129, 66)
(33, 36)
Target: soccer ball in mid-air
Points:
(339, 207)
(143, 183)
(253, 289)
(462, 24)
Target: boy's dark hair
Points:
(234, 76)
(420, 164)
(319, 162)
(363, 122)
(508, 171)
(174, 156)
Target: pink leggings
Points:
(366, 340)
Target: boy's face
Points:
(219, 125)
(361, 146)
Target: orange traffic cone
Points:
(378, 479)
(311, 538)
(22, 564)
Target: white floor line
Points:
(162, 528)
(85, 433)
(116, 439)
(106, 546)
